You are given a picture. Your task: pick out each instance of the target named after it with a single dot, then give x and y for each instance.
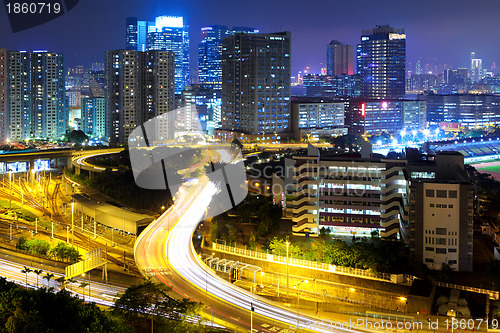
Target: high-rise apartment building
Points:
(139, 87)
(210, 53)
(256, 83)
(97, 80)
(339, 58)
(382, 57)
(166, 33)
(36, 97)
(93, 119)
(3, 95)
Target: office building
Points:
(166, 33)
(365, 116)
(418, 84)
(210, 53)
(256, 83)
(341, 194)
(467, 110)
(382, 62)
(139, 87)
(93, 119)
(207, 105)
(316, 118)
(339, 58)
(3, 96)
(332, 86)
(36, 97)
(455, 76)
(441, 211)
(425, 200)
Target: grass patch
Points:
(493, 168)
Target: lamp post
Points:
(287, 279)
(10, 190)
(298, 299)
(72, 223)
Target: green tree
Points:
(26, 310)
(37, 272)
(62, 281)
(83, 285)
(150, 301)
(237, 143)
(26, 270)
(48, 277)
(77, 137)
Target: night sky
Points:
(438, 31)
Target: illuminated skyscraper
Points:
(36, 97)
(339, 59)
(476, 68)
(139, 87)
(382, 62)
(166, 33)
(210, 53)
(256, 83)
(170, 34)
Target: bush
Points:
(38, 246)
(65, 253)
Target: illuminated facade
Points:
(94, 117)
(476, 68)
(3, 95)
(208, 107)
(139, 87)
(166, 33)
(36, 97)
(317, 118)
(210, 53)
(382, 63)
(390, 116)
(469, 110)
(332, 86)
(256, 83)
(336, 193)
(339, 58)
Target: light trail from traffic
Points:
(164, 251)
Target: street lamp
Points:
(72, 223)
(10, 190)
(287, 280)
(298, 299)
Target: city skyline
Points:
(424, 23)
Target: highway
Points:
(165, 252)
(100, 293)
